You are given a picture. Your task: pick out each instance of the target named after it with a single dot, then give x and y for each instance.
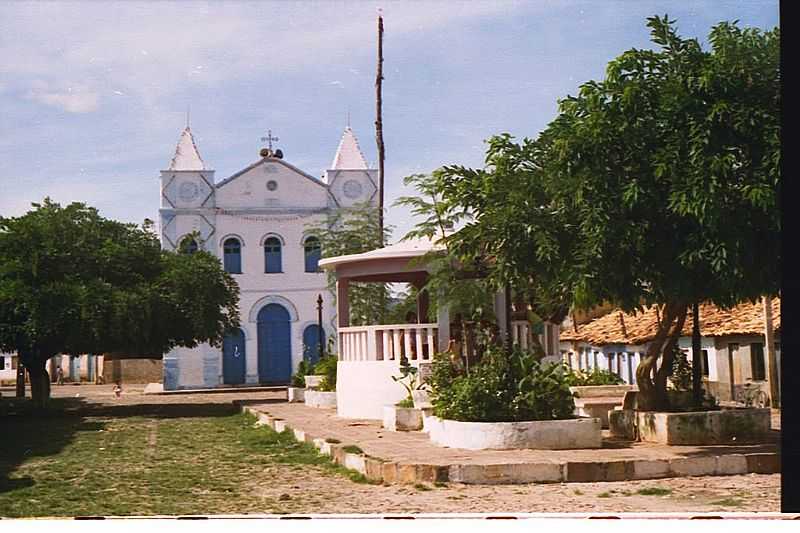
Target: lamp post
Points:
(320, 335)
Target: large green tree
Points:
(658, 185)
(74, 282)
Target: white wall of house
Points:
(581, 355)
(621, 359)
(8, 371)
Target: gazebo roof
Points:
(394, 263)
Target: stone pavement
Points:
(410, 457)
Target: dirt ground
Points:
(307, 490)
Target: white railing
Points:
(415, 342)
(521, 333)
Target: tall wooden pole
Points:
(379, 124)
(769, 349)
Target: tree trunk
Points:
(651, 378)
(40, 384)
(20, 379)
(667, 358)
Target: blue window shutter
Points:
(272, 256)
(232, 256)
(313, 253)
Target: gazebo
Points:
(370, 355)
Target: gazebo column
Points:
(343, 302)
(443, 324)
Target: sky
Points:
(93, 96)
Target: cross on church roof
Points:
(268, 139)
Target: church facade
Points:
(256, 221)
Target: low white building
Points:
(256, 222)
(732, 345)
(8, 367)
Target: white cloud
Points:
(153, 50)
(78, 99)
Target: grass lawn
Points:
(79, 464)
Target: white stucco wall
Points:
(363, 388)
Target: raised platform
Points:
(410, 457)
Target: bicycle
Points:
(751, 395)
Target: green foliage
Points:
(501, 388)
(303, 370)
(355, 230)
(407, 403)
(402, 305)
(597, 376)
(72, 281)
(408, 378)
(437, 217)
(659, 184)
(326, 367)
(681, 377)
(654, 491)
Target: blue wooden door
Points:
(233, 359)
(73, 368)
(311, 343)
(274, 345)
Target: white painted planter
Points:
(295, 394)
(320, 399)
(700, 428)
(401, 418)
(572, 434)
(602, 391)
(312, 382)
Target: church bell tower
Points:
(187, 197)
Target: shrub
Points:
(303, 370)
(579, 378)
(501, 388)
(405, 402)
(408, 378)
(326, 367)
(681, 377)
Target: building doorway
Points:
(233, 358)
(274, 344)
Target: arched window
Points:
(313, 252)
(188, 246)
(272, 255)
(232, 255)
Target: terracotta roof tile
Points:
(617, 327)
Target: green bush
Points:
(405, 402)
(326, 367)
(681, 377)
(303, 370)
(501, 388)
(579, 378)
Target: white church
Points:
(256, 222)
